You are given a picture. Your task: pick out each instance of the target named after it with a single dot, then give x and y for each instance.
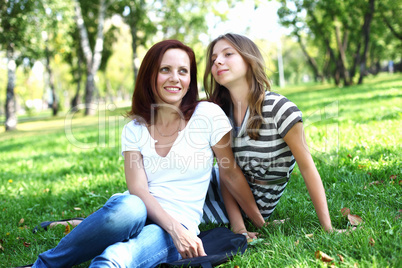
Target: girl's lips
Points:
(221, 71)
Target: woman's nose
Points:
(174, 77)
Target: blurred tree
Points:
(341, 29)
(56, 19)
(20, 37)
(93, 55)
(136, 14)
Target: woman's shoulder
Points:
(133, 126)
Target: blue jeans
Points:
(115, 236)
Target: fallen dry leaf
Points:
(376, 183)
(1, 247)
(340, 257)
(393, 177)
(345, 211)
(21, 221)
(361, 166)
(76, 208)
(349, 155)
(322, 256)
(309, 235)
(354, 219)
(236, 266)
(297, 243)
(371, 241)
(67, 230)
(26, 244)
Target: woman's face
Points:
(173, 77)
(228, 66)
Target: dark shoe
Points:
(46, 224)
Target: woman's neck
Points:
(166, 116)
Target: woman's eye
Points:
(229, 54)
(164, 69)
(183, 71)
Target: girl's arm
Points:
(234, 214)
(187, 243)
(233, 179)
(296, 141)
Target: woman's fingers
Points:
(191, 247)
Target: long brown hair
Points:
(257, 77)
(145, 87)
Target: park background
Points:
(67, 72)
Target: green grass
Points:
(353, 133)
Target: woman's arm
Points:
(187, 243)
(296, 141)
(233, 179)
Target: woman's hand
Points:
(187, 244)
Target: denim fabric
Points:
(150, 248)
(121, 219)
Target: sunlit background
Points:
(48, 66)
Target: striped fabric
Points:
(268, 158)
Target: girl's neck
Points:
(239, 95)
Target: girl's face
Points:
(228, 66)
(173, 77)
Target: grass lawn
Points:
(69, 166)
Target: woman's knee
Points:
(126, 209)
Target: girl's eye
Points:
(229, 54)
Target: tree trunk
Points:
(55, 103)
(356, 61)
(11, 103)
(327, 44)
(310, 60)
(75, 101)
(133, 30)
(366, 34)
(93, 60)
(342, 55)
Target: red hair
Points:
(145, 86)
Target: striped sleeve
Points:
(285, 114)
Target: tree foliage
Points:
(342, 30)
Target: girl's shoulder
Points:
(208, 108)
(273, 99)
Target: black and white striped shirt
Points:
(268, 157)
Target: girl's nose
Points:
(218, 60)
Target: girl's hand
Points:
(187, 244)
(249, 235)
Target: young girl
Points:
(168, 151)
(268, 136)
